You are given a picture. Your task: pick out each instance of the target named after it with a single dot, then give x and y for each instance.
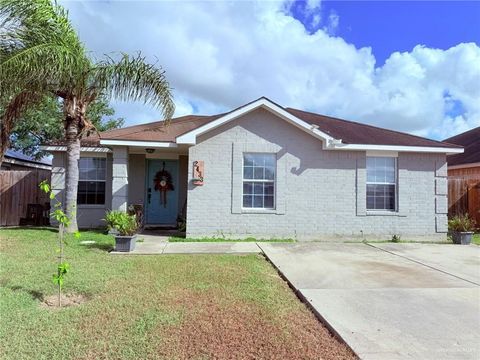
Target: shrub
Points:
(125, 224)
(112, 217)
(461, 223)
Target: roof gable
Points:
(470, 140)
(261, 103)
(335, 134)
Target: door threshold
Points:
(160, 226)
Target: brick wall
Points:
(320, 193)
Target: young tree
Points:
(59, 215)
(43, 123)
(41, 54)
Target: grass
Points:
(214, 239)
(150, 307)
(476, 239)
(448, 241)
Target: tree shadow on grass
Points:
(35, 294)
(23, 228)
(100, 246)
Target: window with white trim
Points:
(381, 183)
(91, 183)
(259, 180)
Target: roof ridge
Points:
(462, 134)
(371, 126)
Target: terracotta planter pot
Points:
(125, 243)
(462, 238)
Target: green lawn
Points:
(150, 307)
(182, 239)
(476, 239)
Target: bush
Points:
(461, 223)
(124, 224)
(112, 218)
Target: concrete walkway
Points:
(390, 301)
(157, 245)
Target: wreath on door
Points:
(163, 182)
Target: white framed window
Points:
(259, 181)
(91, 182)
(381, 183)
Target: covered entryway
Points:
(161, 199)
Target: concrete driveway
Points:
(390, 301)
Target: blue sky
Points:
(409, 66)
(390, 26)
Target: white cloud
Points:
(333, 22)
(219, 55)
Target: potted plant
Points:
(461, 228)
(111, 218)
(125, 226)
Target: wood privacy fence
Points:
(464, 194)
(17, 190)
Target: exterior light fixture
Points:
(150, 150)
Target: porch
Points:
(153, 179)
(149, 176)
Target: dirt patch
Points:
(51, 302)
(237, 330)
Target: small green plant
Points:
(63, 221)
(461, 223)
(396, 238)
(123, 223)
(111, 218)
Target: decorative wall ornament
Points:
(163, 182)
(198, 172)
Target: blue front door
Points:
(162, 192)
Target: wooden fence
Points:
(17, 190)
(464, 193)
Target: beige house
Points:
(266, 171)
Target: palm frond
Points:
(131, 78)
(47, 63)
(38, 44)
(12, 111)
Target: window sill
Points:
(91, 206)
(382, 213)
(259, 211)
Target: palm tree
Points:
(42, 55)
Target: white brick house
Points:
(268, 172)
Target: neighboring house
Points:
(266, 171)
(464, 175)
(15, 160)
(21, 201)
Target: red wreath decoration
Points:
(163, 182)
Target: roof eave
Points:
(142, 143)
(26, 163)
(62, 148)
(397, 148)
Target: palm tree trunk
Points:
(73, 155)
(4, 137)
